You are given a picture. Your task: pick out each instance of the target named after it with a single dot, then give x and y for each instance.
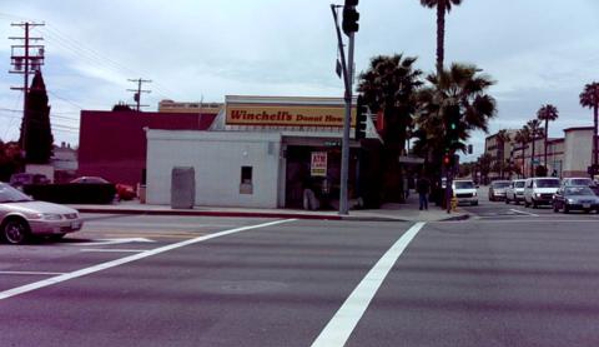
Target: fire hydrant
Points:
(454, 203)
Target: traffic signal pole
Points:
(350, 26)
(344, 197)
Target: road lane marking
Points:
(135, 257)
(337, 331)
(40, 273)
(104, 250)
(108, 242)
(524, 212)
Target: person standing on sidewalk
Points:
(423, 187)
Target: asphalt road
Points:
(196, 281)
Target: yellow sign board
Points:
(285, 115)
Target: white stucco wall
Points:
(217, 158)
(578, 149)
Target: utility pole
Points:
(350, 27)
(25, 62)
(138, 91)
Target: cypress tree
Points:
(35, 127)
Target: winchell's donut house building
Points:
(262, 152)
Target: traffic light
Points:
(447, 160)
(350, 17)
(360, 119)
(452, 126)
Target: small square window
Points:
(246, 175)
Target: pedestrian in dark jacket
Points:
(423, 187)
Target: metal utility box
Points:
(183, 188)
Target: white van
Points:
(540, 190)
(465, 191)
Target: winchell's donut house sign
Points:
(293, 116)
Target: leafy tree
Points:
(522, 137)
(547, 113)
(589, 98)
(36, 133)
(442, 7)
(11, 160)
(389, 85)
(121, 106)
(536, 131)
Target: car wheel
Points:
(15, 231)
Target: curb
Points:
(212, 213)
(462, 217)
(257, 214)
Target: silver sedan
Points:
(22, 217)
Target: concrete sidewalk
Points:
(407, 212)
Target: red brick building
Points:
(113, 145)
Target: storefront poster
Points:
(319, 164)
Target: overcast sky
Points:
(538, 51)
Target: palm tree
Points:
(442, 7)
(522, 137)
(460, 89)
(502, 137)
(460, 94)
(536, 130)
(547, 113)
(590, 98)
(389, 85)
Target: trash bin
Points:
(183, 190)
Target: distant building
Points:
(569, 156)
(498, 153)
(65, 163)
(170, 106)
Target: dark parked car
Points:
(123, 191)
(20, 179)
(575, 198)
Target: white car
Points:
(515, 192)
(540, 191)
(22, 217)
(465, 191)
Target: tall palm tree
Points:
(501, 138)
(463, 89)
(389, 85)
(459, 92)
(547, 113)
(536, 131)
(442, 7)
(522, 137)
(590, 98)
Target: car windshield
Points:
(578, 191)
(10, 194)
(464, 185)
(547, 183)
(580, 182)
(520, 184)
(501, 184)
